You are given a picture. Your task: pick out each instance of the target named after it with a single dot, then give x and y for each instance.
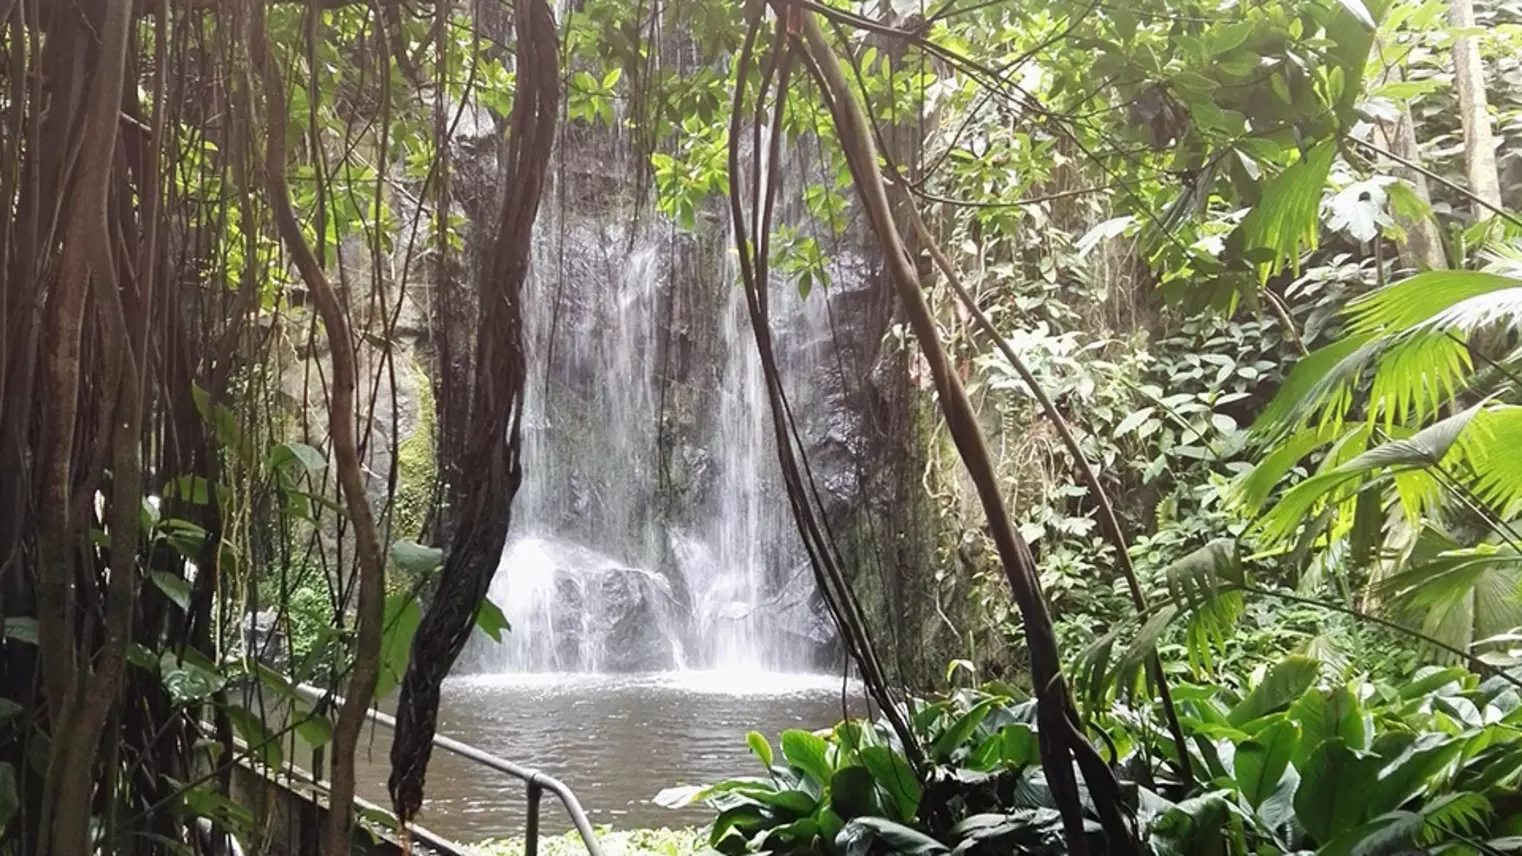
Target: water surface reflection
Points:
(614, 739)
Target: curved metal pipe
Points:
(537, 781)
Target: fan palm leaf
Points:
(1410, 340)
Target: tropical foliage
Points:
(1225, 256)
(1296, 759)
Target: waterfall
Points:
(608, 566)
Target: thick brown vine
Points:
(488, 486)
(1062, 740)
(370, 559)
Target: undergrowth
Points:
(659, 841)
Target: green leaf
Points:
(896, 838)
(786, 799)
(286, 456)
(1334, 790)
(378, 817)
(1420, 298)
(760, 747)
(1286, 220)
(809, 753)
(10, 803)
(894, 776)
(261, 743)
(957, 734)
(1327, 715)
(415, 558)
(490, 620)
(20, 629)
(1019, 746)
(230, 816)
(1431, 679)
(1412, 770)
(1133, 421)
(1230, 37)
(139, 656)
(1285, 682)
(1358, 10)
(174, 587)
(189, 679)
(1262, 760)
(744, 819)
(401, 623)
(853, 793)
(1194, 579)
(1305, 386)
(314, 730)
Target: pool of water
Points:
(616, 740)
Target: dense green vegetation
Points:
(1208, 314)
(1284, 762)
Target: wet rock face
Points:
(633, 641)
(611, 620)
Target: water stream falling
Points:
(609, 566)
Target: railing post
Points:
(531, 832)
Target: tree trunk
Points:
(1469, 84)
(1423, 248)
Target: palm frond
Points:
(1488, 457)
(1460, 814)
(1285, 221)
(1415, 299)
(1411, 337)
(1323, 379)
(1340, 482)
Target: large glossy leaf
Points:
(894, 776)
(1285, 682)
(1415, 768)
(858, 835)
(853, 793)
(402, 617)
(262, 744)
(1262, 761)
(744, 819)
(490, 620)
(1333, 792)
(1326, 714)
(174, 587)
(189, 678)
(416, 558)
(808, 753)
(290, 456)
(759, 747)
(960, 731)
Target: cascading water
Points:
(609, 568)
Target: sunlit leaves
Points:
(1285, 221)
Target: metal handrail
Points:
(537, 781)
